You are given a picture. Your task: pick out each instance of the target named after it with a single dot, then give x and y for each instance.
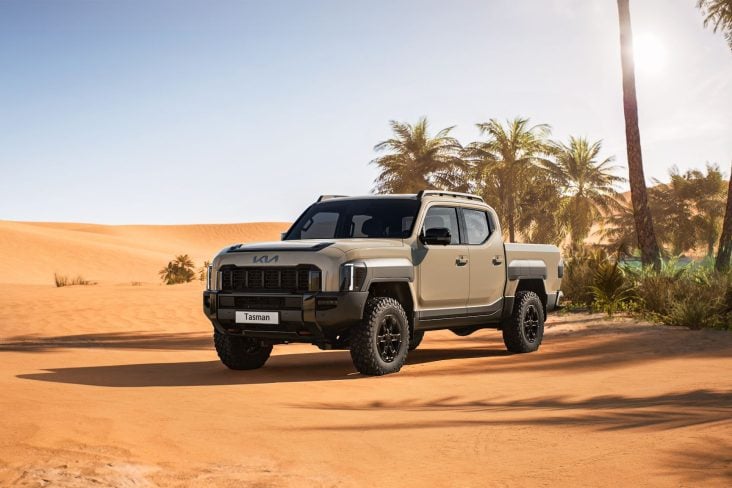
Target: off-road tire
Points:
(525, 330)
(241, 352)
(415, 339)
(367, 352)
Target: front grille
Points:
(267, 303)
(275, 280)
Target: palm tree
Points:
(672, 210)
(643, 221)
(719, 14)
(416, 161)
(504, 164)
(180, 270)
(540, 219)
(184, 261)
(169, 273)
(587, 184)
(725, 240)
(707, 197)
(618, 231)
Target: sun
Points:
(650, 53)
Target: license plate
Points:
(257, 317)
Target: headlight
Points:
(353, 276)
(314, 280)
(210, 278)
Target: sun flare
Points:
(650, 53)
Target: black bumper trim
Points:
(320, 319)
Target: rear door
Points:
(444, 275)
(487, 261)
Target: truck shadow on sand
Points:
(582, 350)
(281, 368)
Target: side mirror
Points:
(439, 236)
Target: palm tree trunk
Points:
(725, 240)
(647, 242)
(511, 222)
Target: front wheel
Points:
(380, 342)
(525, 330)
(241, 352)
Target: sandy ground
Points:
(118, 385)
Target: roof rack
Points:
(328, 197)
(454, 194)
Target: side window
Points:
(321, 224)
(477, 229)
(445, 217)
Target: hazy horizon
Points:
(192, 112)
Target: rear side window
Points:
(477, 229)
(445, 217)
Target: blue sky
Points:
(185, 112)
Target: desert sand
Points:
(31, 252)
(119, 385)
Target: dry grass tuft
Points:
(63, 280)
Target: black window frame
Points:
(464, 225)
(458, 212)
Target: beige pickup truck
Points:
(372, 274)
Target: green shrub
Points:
(610, 288)
(203, 271)
(579, 273)
(689, 296)
(180, 270)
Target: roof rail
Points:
(328, 197)
(455, 194)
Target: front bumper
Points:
(316, 318)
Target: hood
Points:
(314, 245)
(281, 246)
(346, 245)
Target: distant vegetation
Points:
(691, 294)
(63, 280)
(718, 15)
(552, 191)
(203, 270)
(179, 270)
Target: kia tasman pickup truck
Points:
(372, 274)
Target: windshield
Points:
(353, 219)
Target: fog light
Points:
(326, 303)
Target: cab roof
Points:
(418, 196)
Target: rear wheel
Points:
(238, 352)
(380, 342)
(525, 330)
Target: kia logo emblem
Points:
(265, 259)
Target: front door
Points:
(444, 270)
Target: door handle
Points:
(461, 261)
(497, 260)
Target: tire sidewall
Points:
(524, 306)
(397, 313)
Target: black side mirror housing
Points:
(438, 236)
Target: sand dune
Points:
(31, 252)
